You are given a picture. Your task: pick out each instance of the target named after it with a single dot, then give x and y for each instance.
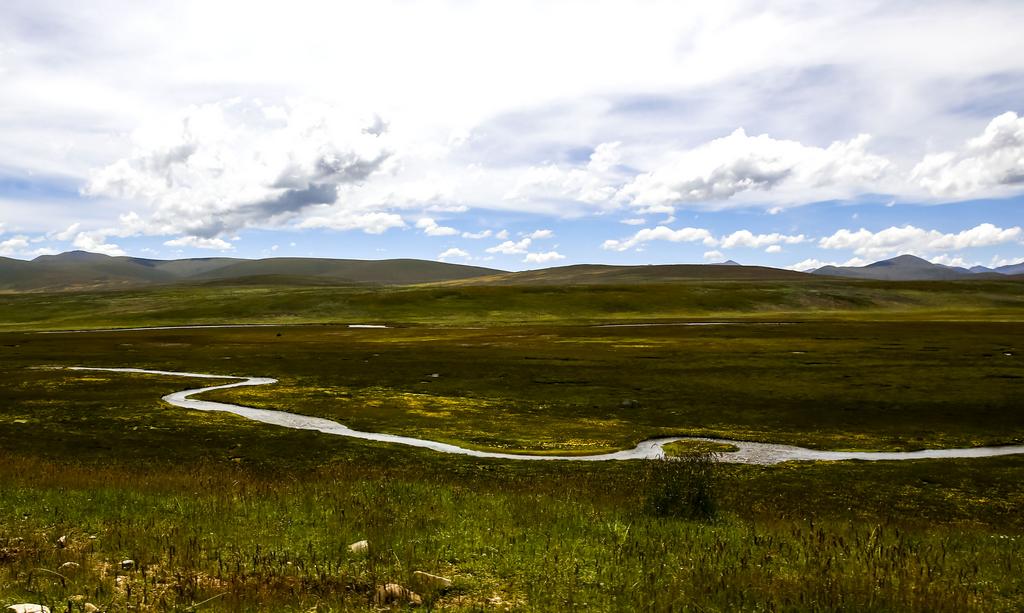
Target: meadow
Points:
(217, 513)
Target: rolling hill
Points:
(79, 270)
(595, 274)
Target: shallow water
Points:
(748, 453)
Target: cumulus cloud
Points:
(633, 221)
(746, 238)
(453, 252)
(713, 255)
(739, 238)
(430, 228)
(728, 166)
(14, 245)
(988, 163)
(511, 247)
(221, 167)
(67, 234)
(541, 258)
(773, 249)
(477, 235)
(202, 243)
(370, 223)
(662, 233)
(951, 260)
(95, 242)
(540, 234)
(814, 264)
(593, 184)
(910, 239)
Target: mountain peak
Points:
(903, 260)
(73, 256)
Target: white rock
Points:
(69, 566)
(427, 581)
(127, 564)
(28, 608)
(359, 547)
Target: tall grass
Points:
(682, 486)
(564, 540)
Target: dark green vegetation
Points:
(242, 516)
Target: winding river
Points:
(747, 453)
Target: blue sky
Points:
(515, 135)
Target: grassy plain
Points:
(455, 305)
(219, 513)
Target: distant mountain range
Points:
(913, 268)
(83, 270)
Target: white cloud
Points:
(773, 249)
(998, 261)
(604, 157)
(732, 165)
(14, 245)
(714, 255)
(67, 234)
(662, 233)
(814, 264)
(540, 234)
(910, 239)
(202, 243)
(633, 221)
(511, 247)
(94, 243)
(951, 260)
(430, 228)
(221, 167)
(453, 252)
(593, 184)
(371, 223)
(989, 164)
(746, 238)
(501, 235)
(541, 258)
(477, 235)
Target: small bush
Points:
(681, 487)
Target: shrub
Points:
(681, 487)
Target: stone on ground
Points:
(429, 582)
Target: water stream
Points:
(747, 453)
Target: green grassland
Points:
(223, 514)
(292, 300)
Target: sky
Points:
(515, 135)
